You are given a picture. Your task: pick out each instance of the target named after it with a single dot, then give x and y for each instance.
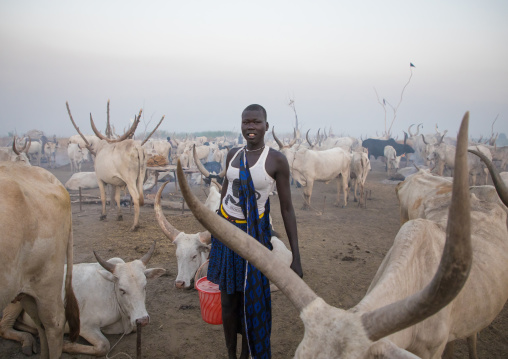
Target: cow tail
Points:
(141, 174)
(70, 302)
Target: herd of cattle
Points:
(452, 243)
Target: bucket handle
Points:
(199, 271)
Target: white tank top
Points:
(263, 185)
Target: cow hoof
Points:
(29, 349)
(134, 228)
(305, 208)
(355, 200)
(119, 218)
(103, 217)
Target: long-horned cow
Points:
(111, 296)
(34, 251)
(121, 163)
(15, 154)
(308, 166)
(415, 304)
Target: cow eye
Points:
(122, 291)
(194, 256)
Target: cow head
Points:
(130, 286)
(192, 250)
(21, 155)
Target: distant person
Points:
(252, 172)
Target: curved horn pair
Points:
(110, 267)
(25, 148)
(450, 277)
(126, 135)
(281, 146)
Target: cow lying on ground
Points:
(415, 304)
(111, 296)
(85, 180)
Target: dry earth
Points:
(341, 250)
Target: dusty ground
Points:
(341, 250)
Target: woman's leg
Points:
(230, 320)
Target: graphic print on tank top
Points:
(235, 188)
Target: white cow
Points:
(392, 160)
(121, 163)
(36, 241)
(50, 153)
(415, 304)
(35, 151)
(360, 168)
(111, 296)
(85, 180)
(308, 166)
(15, 155)
(77, 155)
(192, 250)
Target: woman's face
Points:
(254, 126)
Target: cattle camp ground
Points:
(341, 249)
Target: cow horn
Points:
(126, 135)
(262, 258)
(281, 146)
(501, 188)
(87, 144)
(110, 267)
(454, 266)
(307, 137)
(423, 137)
(27, 145)
(293, 141)
(151, 133)
(409, 130)
(14, 146)
(441, 139)
(217, 184)
(146, 258)
(200, 166)
(170, 231)
(418, 129)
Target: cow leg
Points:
(51, 314)
(30, 308)
(117, 200)
(449, 349)
(307, 193)
(9, 316)
(135, 201)
(355, 189)
(471, 345)
(102, 189)
(99, 343)
(343, 180)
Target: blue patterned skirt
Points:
(226, 268)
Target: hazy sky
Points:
(201, 63)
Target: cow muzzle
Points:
(143, 321)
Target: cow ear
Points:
(154, 272)
(106, 275)
(205, 237)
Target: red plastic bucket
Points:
(209, 300)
